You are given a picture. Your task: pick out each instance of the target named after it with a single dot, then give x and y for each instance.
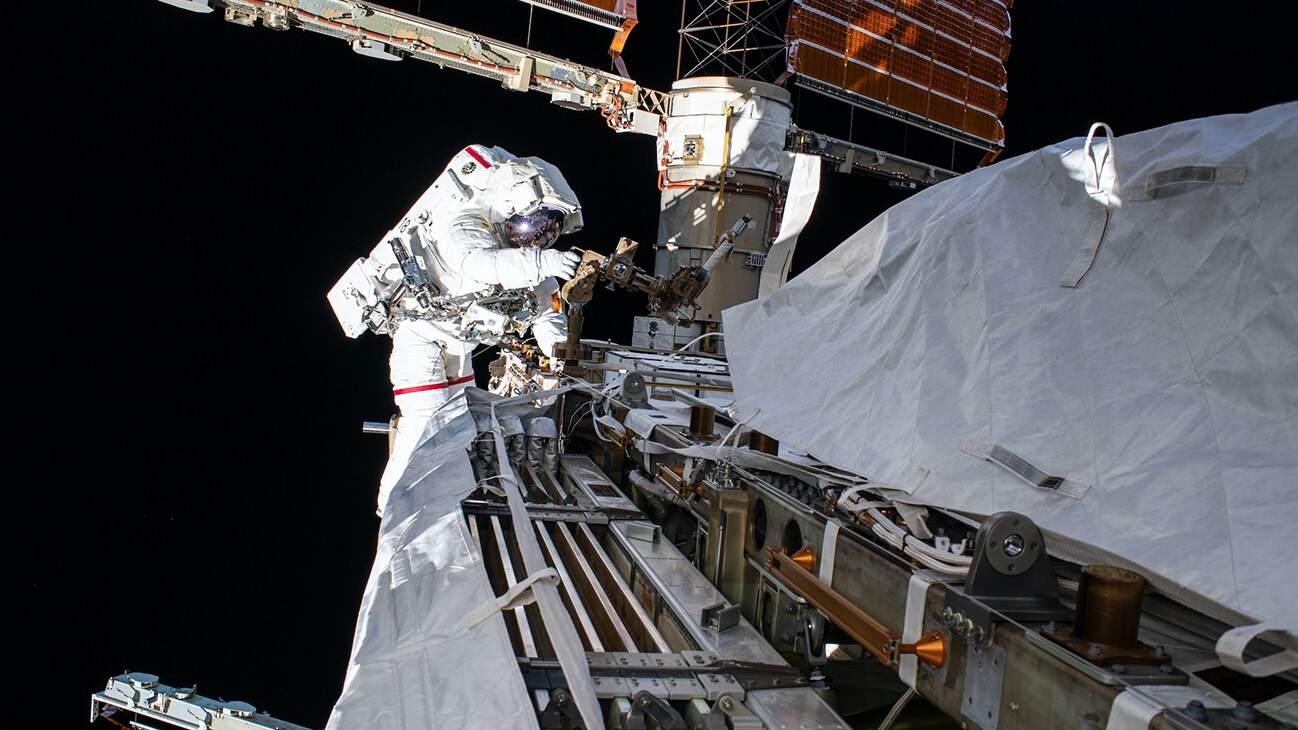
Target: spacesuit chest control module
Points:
(471, 256)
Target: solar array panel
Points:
(941, 60)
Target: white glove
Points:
(559, 264)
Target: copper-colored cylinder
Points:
(702, 419)
(758, 441)
(1108, 606)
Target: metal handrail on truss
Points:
(383, 33)
(378, 32)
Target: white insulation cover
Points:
(1166, 381)
(415, 663)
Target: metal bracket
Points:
(742, 676)
(1113, 674)
(559, 708)
(1010, 578)
(736, 715)
(645, 703)
(815, 661)
(720, 616)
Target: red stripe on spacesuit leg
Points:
(434, 386)
(477, 157)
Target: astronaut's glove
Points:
(559, 264)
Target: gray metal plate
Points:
(983, 676)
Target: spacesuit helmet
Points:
(534, 203)
(537, 228)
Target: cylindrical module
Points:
(702, 419)
(1108, 606)
(729, 130)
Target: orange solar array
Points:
(943, 60)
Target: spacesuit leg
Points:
(426, 371)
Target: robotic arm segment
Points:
(689, 281)
(581, 287)
(669, 297)
(726, 244)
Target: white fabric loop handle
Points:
(1100, 187)
(1231, 646)
(1098, 166)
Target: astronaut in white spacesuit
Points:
(469, 264)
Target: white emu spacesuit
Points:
(469, 264)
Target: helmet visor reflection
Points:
(538, 229)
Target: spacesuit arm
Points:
(512, 268)
(470, 247)
(549, 327)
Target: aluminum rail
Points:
(511, 578)
(849, 157)
(594, 593)
(574, 599)
(384, 33)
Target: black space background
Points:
(192, 493)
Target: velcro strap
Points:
(1189, 175)
(913, 624)
(1021, 468)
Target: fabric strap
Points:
(1231, 646)
(1099, 178)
